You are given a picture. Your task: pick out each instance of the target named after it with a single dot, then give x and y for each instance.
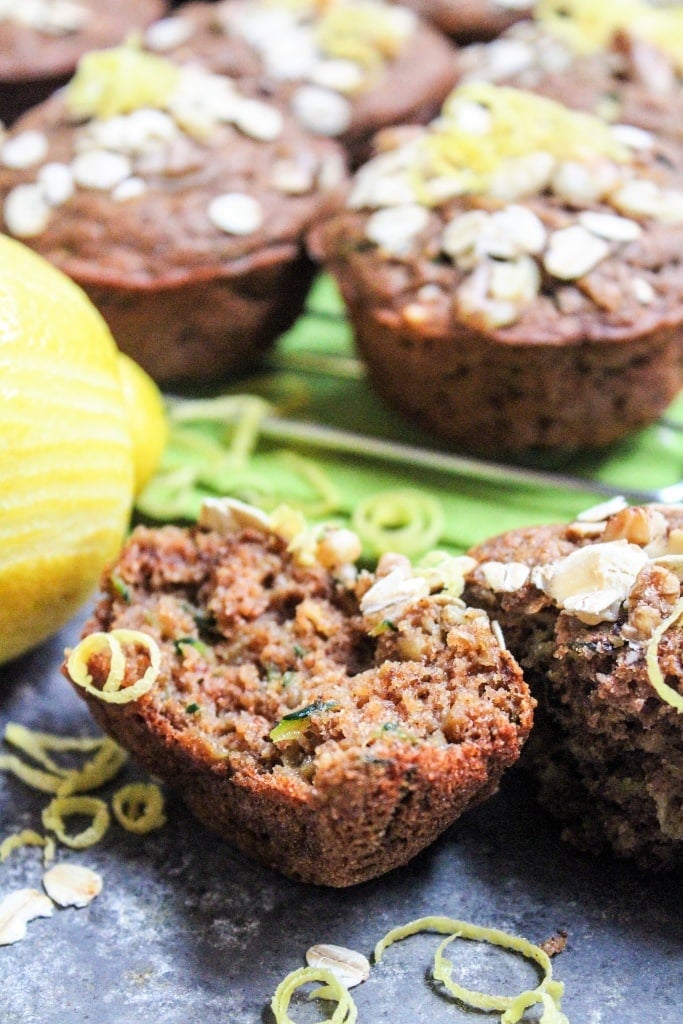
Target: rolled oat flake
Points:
(348, 966)
(236, 213)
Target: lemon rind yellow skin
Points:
(66, 463)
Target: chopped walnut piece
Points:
(639, 525)
(652, 598)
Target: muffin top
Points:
(146, 170)
(345, 67)
(620, 60)
(612, 577)
(45, 38)
(516, 215)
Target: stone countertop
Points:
(187, 930)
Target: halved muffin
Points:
(328, 721)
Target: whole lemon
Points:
(67, 461)
(146, 416)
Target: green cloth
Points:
(312, 376)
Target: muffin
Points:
(42, 41)
(178, 200)
(329, 722)
(621, 61)
(469, 20)
(512, 273)
(592, 611)
(345, 68)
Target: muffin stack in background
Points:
(536, 305)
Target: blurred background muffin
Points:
(345, 68)
(620, 59)
(470, 20)
(178, 200)
(42, 40)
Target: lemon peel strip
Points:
(37, 744)
(108, 760)
(663, 690)
(402, 520)
(345, 1011)
(120, 80)
(548, 992)
(111, 692)
(27, 837)
(139, 807)
(64, 807)
(44, 781)
(102, 768)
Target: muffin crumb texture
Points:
(328, 721)
(593, 617)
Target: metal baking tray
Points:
(188, 930)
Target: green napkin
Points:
(312, 380)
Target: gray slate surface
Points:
(186, 930)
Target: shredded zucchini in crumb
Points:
(139, 807)
(97, 643)
(654, 671)
(345, 1011)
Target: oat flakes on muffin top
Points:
(345, 68)
(620, 59)
(516, 252)
(178, 199)
(41, 42)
